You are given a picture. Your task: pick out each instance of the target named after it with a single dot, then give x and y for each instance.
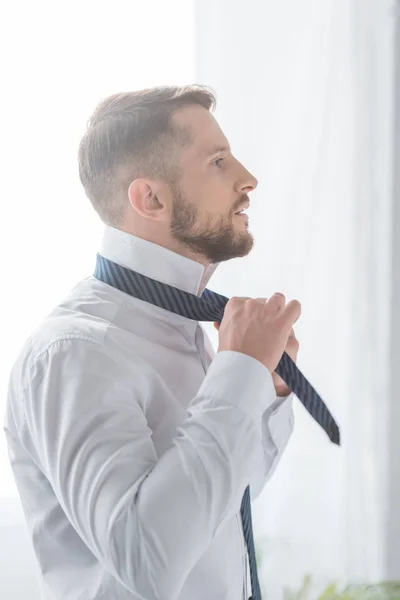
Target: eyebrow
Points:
(217, 150)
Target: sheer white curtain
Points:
(58, 60)
(370, 476)
(304, 95)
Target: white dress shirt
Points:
(132, 445)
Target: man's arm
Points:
(277, 423)
(277, 427)
(147, 520)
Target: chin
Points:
(245, 246)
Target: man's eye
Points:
(218, 162)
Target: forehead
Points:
(207, 135)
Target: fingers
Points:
(236, 303)
(277, 302)
(291, 313)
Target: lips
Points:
(242, 209)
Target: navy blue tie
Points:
(210, 307)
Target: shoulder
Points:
(76, 336)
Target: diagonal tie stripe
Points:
(210, 307)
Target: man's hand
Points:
(292, 349)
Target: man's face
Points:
(211, 189)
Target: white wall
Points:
(304, 95)
(58, 61)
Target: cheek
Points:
(220, 207)
(210, 193)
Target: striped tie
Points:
(210, 307)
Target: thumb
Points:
(216, 325)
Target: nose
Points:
(246, 181)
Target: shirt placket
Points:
(199, 341)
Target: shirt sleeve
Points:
(147, 519)
(277, 427)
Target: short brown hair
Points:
(130, 135)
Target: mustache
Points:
(242, 200)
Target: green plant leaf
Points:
(386, 590)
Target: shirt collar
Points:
(155, 261)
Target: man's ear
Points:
(146, 199)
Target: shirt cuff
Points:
(281, 421)
(279, 402)
(240, 380)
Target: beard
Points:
(215, 239)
